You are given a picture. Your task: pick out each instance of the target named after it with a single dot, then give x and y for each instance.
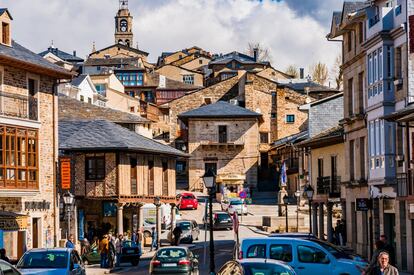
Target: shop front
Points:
(13, 235)
(229, 185)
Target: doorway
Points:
(35, 232)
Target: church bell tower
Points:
(123, 25)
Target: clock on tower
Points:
(123, 25)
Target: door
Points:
(311, 260)
(389, 228)
(35, 232)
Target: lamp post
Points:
(157, 203)
(68, 199)
(209, 179)
(286, 202)
(309, 195)
(297, 195)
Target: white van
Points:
(149, 213)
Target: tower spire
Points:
(93, 47)
(123, 4)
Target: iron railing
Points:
(329, 185)
(20, 106)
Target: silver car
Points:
(56, 261)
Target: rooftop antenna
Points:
(123, 4)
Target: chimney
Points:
(255, 54)
(301, 73)
(74, 53)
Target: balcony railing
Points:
(329, 186)
(20, 106)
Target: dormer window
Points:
(6, 33)
(5, 22)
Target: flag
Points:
(283, 176)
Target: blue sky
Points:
(294, 30)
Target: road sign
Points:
(243, 194)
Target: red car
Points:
(187, 201)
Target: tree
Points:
(336, 72)
(263, 52)
(319, 73)
(293, 71)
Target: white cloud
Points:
(216, 25)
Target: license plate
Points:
(223, 221)
(169, 265)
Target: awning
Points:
(12, 221)
(236, 179)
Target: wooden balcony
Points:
(18, 106)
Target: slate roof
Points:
(111, 61)
(220, 109)
(88, 135)
(125, 47)
(72, 109)
(350, 7)
(21, 54)
(300, 86)
(331, 133)
(62, 55)
(78, 80)
(295, 138)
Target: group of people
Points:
(339, 236)
(382, 260)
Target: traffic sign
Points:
(243, 194)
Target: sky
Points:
(293, 30)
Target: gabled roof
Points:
(78, 80)
(3, 10)
(319, 101)
(111, 61)
(300, 85)
(350, 7)
(330, 136)
(125, 47)
(72, 109)
(20, 54)
(226, 58)
(92, 135)
(61, 54)
(220, 109)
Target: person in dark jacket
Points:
(70, 242)
(389, 248)
(177, 235)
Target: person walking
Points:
(118, 247)
(140, 239)
(379, 247)
(70, 242)
(3, 255)
(384, 267)
(177, 235)
(154, 236)
(389, 248)
(111, 251)
(103, 250)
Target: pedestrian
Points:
(85, 246)
(177, 235)
(118, 247)
(3, 255)
(103, 250)
(383, 267)
(134, 236)
(154, 236)
(140, 239)
(379, 247)
(389, 248)
(70, 242)
(111, 251)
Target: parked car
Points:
(187, 201)
(8, 269)
(221, 220)
(234, 205)
(56, 261)
(190, 231)
(130, 254)
(256, 266)
(304, 256)
(174, 260)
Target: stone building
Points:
(182, 74)
(28, 147)
(116, 171)
(225, 138)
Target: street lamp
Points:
(286, 202)
(297, 195)
(209, 179)
(157, 203)
(68, 199)
(309, 195)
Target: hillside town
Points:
(209, 163)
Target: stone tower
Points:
(123, 25)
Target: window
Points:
(95, 168)
(18, 158)
(188, 78)
(165, 178)
(290, 118)
(349, 40)
(351, 97)
(222, 130)
(82, 98)
(6, 33)
(264, 137)
(398, 10)
(361, 32)
(377, 138)
(256, 251)
(371, 138)
(210, 165)
(398, 63)
(361, 92)
(281, 252)
(200, 61)
(320, 167)
(307, 254)
(375, 67)
(362, 156)
(132, 109)
(370, 75)
(101, 89)
(352, 160)
(207, 100)
(134, 176)
(151, 177)
(131, 78)
(273, 98)
(89, 100)
(389, 62)
(380, 62)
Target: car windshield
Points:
(238, 202)
(223, 216)
(171, 253)
(265, 268)
(128, 244)
(334, 250)
(188, 197)
(44, 259)
(184, 225)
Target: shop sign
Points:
(37, 205)
(363, 204)
(65, 177)
(13, 223)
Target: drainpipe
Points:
(55, 199)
